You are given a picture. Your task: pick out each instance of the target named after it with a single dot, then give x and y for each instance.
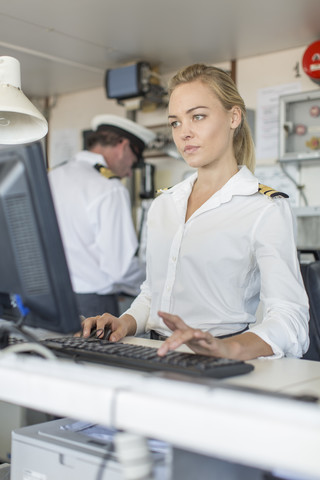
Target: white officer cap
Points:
(140, 135)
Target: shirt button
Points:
(174, 259)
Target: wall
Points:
(69, 116)
(72, 113)
(272, 70)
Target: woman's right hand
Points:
(120, 326)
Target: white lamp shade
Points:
(20, 121)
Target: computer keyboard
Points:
(144, 358)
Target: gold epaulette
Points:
(106, 172)
(270, 192)
(160, 190)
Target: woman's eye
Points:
(198, 116)
(174, 124)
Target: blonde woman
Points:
(218, 242)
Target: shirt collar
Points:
(242, 183)
(90, 158)
(183, 188)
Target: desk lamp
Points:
(20, 121)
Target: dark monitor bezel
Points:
(24, 185)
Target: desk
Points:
(240, 426)
(290, 375)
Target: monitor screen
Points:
(127, 82)
(33, 266)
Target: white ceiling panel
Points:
(67, 45)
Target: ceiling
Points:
(66, 45)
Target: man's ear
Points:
(122, 147)
(236, 116)
(123, 143)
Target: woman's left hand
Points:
(200, 342)
(244, 346)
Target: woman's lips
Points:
(191, 148)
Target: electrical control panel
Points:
(299, 126)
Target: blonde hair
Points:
(226, 91)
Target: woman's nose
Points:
(186, 132)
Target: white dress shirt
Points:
(97, 230)
(238, 248)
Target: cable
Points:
(27, 347)
(108, 455)
(298, 186)
(31, 345)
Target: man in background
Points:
(94, 214)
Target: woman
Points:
(216, 245)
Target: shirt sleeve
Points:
(285, 319)
(133, 278)
(115, 237)
(140, 308)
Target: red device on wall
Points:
(311, 61)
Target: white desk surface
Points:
(289, 375)
(259, 430)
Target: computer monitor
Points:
(127, 82)
(32, 261)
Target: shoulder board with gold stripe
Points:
(161, 190)
(106, 172)
(270, 192)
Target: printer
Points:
(65, 449)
